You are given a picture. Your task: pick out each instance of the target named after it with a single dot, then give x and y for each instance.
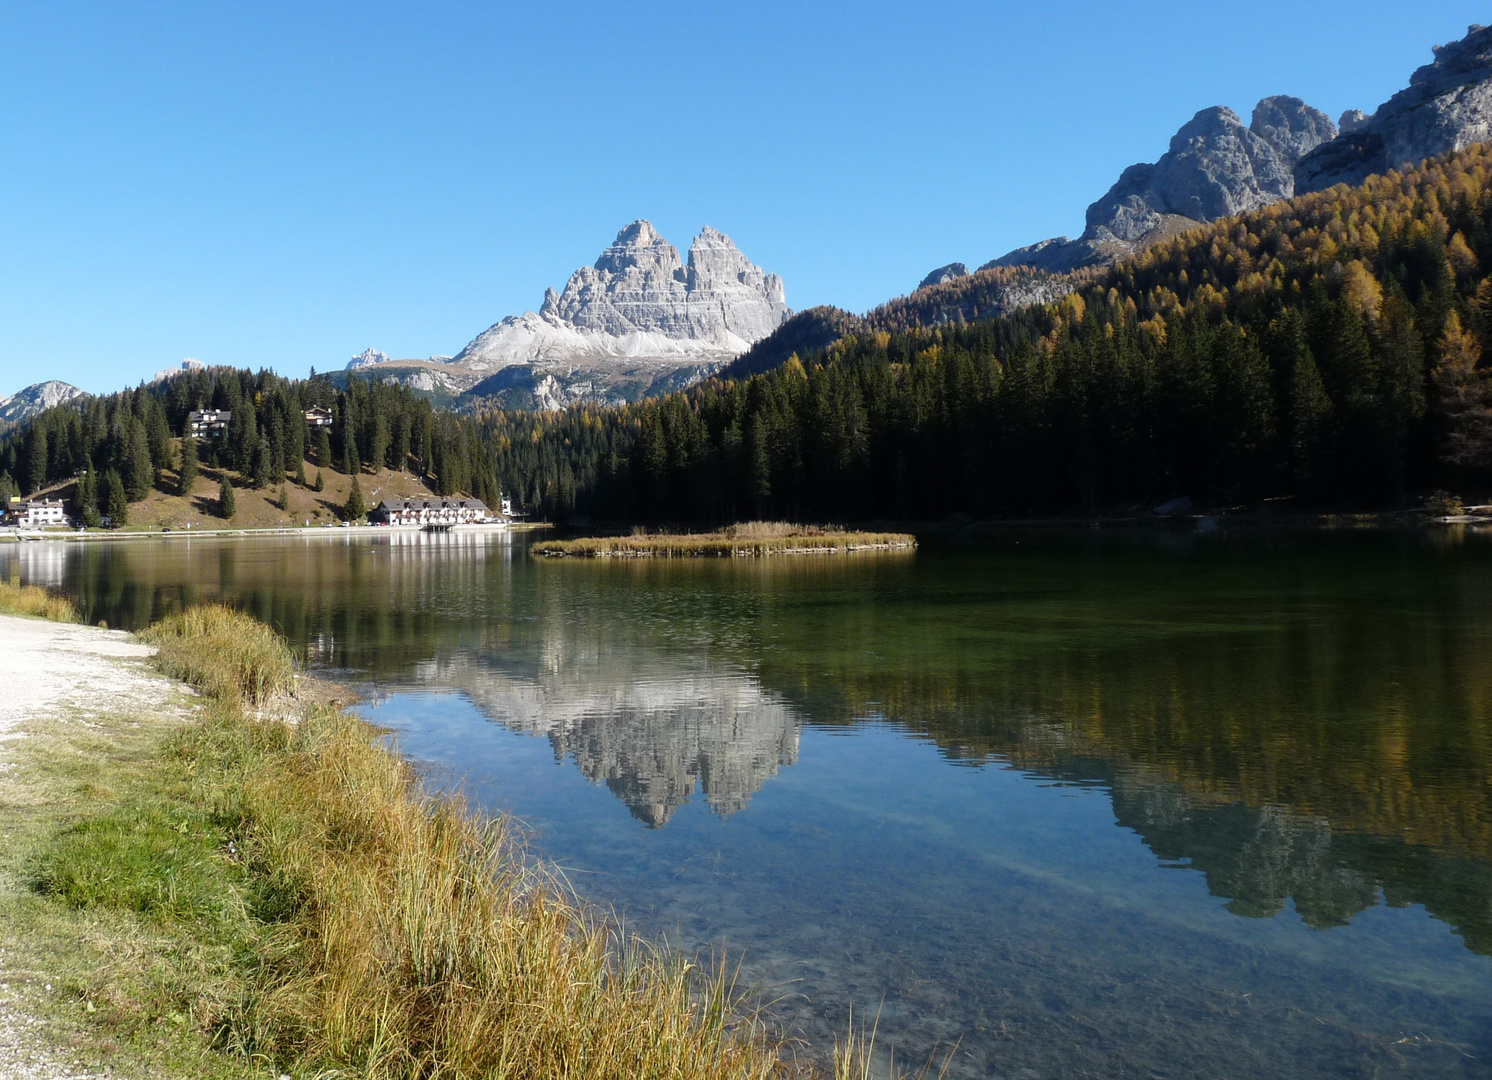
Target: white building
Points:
(319, 418)
(37, 514)
(207, 422)
(429, 512)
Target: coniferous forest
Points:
(1329, 349)
(118, 446)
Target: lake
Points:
(1089, 803)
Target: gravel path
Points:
(46, 667)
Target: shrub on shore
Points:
(17, 599)
(224, 653)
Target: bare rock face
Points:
(367, 358)
(1447, 106)
(24, 404)
(640, 321)
(1291, 127)
(945, 273)
(638, 285)
(1215, 167)
(1352, 120)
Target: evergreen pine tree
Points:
(320, 484)
(263, 471)
(1310, 425)
(36, 458)
(227, 505)
(356, 509)
(323, 448)
(139, 469)
(242, 438)
(116, 501)
(282, 499)
(7, 491)
(350, 464)
(190, 466)
(300, 472)
(85, 498)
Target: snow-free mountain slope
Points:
(1447, 106)
(24, 404)
(640, 320)
(1215, 167)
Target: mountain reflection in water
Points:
(651, 737)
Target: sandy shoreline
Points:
(49, 670)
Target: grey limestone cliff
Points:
(24, 404)
(640, 321)
(639, 285)
(1446, 106)
(1215, 167)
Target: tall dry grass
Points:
(422, 942)
(402, 935)
(224, 653)
(18, 599)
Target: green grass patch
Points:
(150, 858)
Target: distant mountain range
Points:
(638, 322)
(641, 321)
(1216, 167)
(24, 404)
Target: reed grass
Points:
(18, 599)
(224, 653)
(424, 942)
(749, 539)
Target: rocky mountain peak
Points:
(1215, 167)
(1446, 106)
(639, 285)
(24, 404)
(638, 249)
(367, 358)
(1291, 126)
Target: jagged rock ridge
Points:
(24, 404)
(639, 321)
(1215, 167)
(1447, 106)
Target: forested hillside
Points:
(1328, 348)
(120, 446)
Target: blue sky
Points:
(283, 185)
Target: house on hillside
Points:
(208, 423)
(318, 418)
(430, 512)
(36, 514)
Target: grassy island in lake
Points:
(753, 538)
